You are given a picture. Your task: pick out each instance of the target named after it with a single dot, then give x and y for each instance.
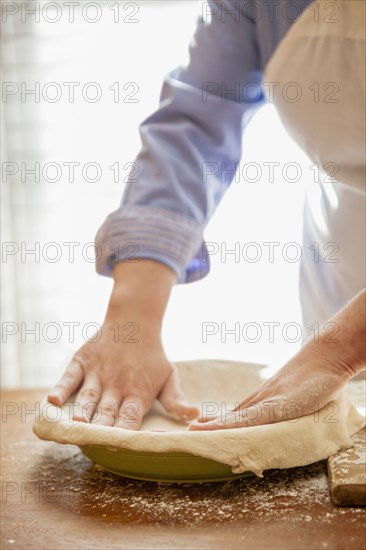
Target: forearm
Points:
(343, 340)
(191, 147)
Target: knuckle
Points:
(137, 401)
(89, 394)
(64, 385)
(84, 358)
(68, 379)
(109, 408)
(130, 413)
(61, 386)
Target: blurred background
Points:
(79, 149)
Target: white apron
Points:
(318, 77)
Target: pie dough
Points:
(218, 385)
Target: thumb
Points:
(174, 401)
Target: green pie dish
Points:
(163, 450)
(161, 467)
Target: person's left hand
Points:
(296, 390)
(309, 381)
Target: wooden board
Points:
(347, 473)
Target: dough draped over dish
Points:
(218, 385)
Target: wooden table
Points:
(54, 497)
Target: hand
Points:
(298, 389)
(118, 376)
(118, 382)
(309, 381)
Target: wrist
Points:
(341, 343)
(141, 292)
(335, 357)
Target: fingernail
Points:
(178, 415)
(193, 426)
(80, 419)
(54, 396)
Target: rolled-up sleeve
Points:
(191, 147)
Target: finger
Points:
(216, 425)
(251, 416)
(174, 401)
(160, 430)
(206, 418)
(107, 412)
(254, 397)
(87, 399)
(68, 384)
(131, 413)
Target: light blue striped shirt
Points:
(192, 144)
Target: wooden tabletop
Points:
(54, 497)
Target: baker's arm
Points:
(188, 145)
(190, 148)
(311, 379)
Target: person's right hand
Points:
(118, 376)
